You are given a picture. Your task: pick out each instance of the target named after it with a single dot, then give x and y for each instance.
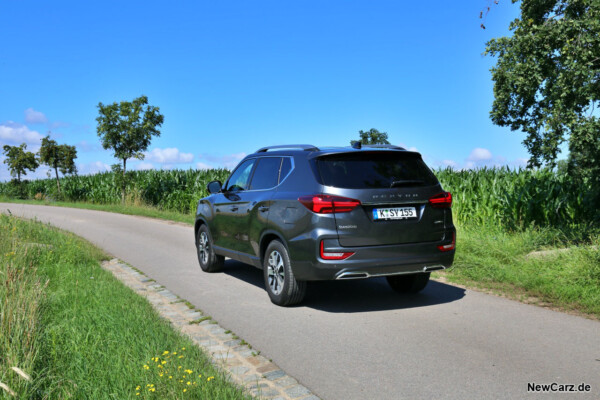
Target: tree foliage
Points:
(372, 136)
(127, 129)
(547, 82)
(19, 161)
(58, 157)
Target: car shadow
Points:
(359, 295)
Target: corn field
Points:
(513, 199)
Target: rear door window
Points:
(266, 175)
(374, 170)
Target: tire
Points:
(209, 261)
(412, 283)
(280, 283)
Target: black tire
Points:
(280, 283)
(412, 283)
(209, 261)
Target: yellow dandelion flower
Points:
(160, 366)
(199, 376)
(170, 377)
(179, 367)
(138, 387)
(183, 348)
(185, 390)
(165, 353)
(174, 352)
(137, 394)
(189, 371)
(210, 378)
(188, 383)
(146, 367)
(180, 357)
(163, 362)
(161, 374)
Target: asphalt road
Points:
(358, 339)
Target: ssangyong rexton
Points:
(302, 213)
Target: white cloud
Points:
(169, 155)
(480, 154)
(144, 166)
(450, 163)
(14, 133)
(201, 165)
(92, 168)
(35, 117)
(228, 161)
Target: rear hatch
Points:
(394, 189)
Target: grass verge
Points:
(79, 333)
(140, 210)
(561, 276)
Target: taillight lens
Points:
(326, 204)
(449, 246)
(333, 255)
(441, 200)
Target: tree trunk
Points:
(57, 181)
(123, 181)
(19, 177)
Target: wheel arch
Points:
(266, 238)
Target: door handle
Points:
(263, 208)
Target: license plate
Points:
(394, 213)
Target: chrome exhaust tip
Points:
(433, 268)
(352, 275)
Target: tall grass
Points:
(79, 332)
(513, 199)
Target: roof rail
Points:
(384, 146)
(305, 147)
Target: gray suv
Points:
(302, 213)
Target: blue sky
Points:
(233, 76)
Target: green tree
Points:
(546, 82)
(127, 129)
(372, 136)
(58, 157)
(19, 161)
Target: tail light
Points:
(326, 204)
(449, 246)
(333, 255)
(441, 200)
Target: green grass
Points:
(490, 258)
(129, 209)
(80, 333)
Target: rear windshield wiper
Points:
(407, 182)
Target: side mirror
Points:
(214, 187)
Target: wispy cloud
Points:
(228, 161)
(86, 146)
(92, 168)
(170, 155)
(480, 158)
(35, 117)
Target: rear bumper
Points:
(369, 261)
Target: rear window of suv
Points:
(374, 170)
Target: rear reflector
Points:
(449, 246)
(441, 200)
(326, 204)
(333, 256)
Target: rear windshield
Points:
(374, 170)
